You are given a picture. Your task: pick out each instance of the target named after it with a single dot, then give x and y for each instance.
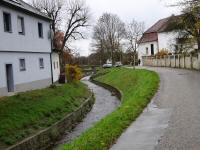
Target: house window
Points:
(57, 65)
(22, 64)
(41, 63)
(152, 49)
(20, 25)
(7, 22)
(40, 30)
(54, 65)
(147, 51)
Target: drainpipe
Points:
(51, 56)
(199, 60)
(51, 68)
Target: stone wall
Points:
(112, 89)
(45, 139)
(174, 61)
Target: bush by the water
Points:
(73, 73)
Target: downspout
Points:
(51, 68)
(158, 43)
(51, 56)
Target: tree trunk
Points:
(134, 61)
(198, 43)
(62, 65)
(112, 57)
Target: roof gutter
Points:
(12, 6)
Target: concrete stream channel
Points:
(105, 103)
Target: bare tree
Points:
(184, 3)
(52, 8)
(188, 24)
(73, 14)
(76, 18)
(108, 33)
(99, 36)
(134, 31)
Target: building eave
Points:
(26, 11)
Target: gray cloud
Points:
(148, 11)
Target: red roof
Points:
(149, 37)
(158, 25)
(161, 26)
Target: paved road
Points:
(105, 103)
(177, 126)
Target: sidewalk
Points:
(145, 132)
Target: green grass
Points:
(138, 87)
(26, 113)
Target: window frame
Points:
(41, 66)
(10, 22)
(40, 30)
(22, 25)
(147, 51)
(57, 64)
(22, 68)
(54, 65)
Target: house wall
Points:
(142, 49)
(167, 40)
(32, 78)
(55, 66)
(30, 42)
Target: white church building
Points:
(158, 37)
(26, 58)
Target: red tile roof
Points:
(161, 26)
(158, 25)
(149, 37)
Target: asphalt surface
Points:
(175, 123)
(104, 104)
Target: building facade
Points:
(26, 58)
(158, 37)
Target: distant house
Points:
(26, 58)
(159, 37)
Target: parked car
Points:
(118, 64)
(109, 65)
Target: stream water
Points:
(105, 103)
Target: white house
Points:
(158, 37)
(26, 58)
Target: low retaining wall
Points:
(112, 89)
(174, 61)
(45, 139)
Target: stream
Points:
(104, 104)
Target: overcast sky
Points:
(148, 11)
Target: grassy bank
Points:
(138, 87)
(26, 113)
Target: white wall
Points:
(167, 40)
(142, 49)
(33, 71)
(55, 66)
(28, 42)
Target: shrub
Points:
(73, 73)
(162, 53)
(53, 86)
